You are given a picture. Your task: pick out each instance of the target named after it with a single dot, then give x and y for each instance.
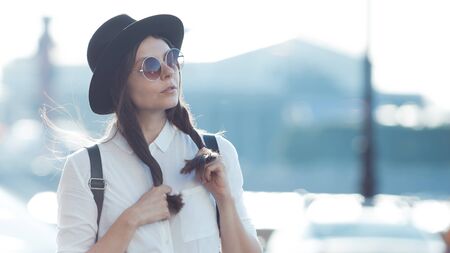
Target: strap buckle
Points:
(97, 183)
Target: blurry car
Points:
(20, 231)
(344, 225)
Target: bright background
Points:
(283, 78)
(408, 38)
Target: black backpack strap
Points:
(96, 182)
(211, 143)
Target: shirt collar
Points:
(164, 138)
(162, 141)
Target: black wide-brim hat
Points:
(114, 39)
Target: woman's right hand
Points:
(151, 207)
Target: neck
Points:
(151, 124)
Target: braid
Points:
(130, 128)
(180, 117)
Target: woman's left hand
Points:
(214, 178)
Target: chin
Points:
(159, 107)
(172, 104)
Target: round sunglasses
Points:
(151, 66)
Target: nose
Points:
(166, 71)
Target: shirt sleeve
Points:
(235, 181)
(77, 211)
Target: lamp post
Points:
(45, 62)
(368, 182)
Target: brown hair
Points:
(128, 125)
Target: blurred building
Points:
(292, 110)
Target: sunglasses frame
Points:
(178, 68)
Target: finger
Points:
(205, 174)
(215, 167)
(214, 161)
(166, 205)
(165, 214)
(165, 188)
(209, 170)
(202, 151)
(201, 178)
(199, 174)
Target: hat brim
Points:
(167, 26)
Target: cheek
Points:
(147, 95)
(142, 95)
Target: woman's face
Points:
(156, 95)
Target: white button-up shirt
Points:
(192, 230)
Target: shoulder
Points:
(81, 160)
(79, 156)
(226, 147)
(75, 173)
(77, 164)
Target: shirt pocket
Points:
(198, 215)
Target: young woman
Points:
(162, 183)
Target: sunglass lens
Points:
(175, 58)
(151, 68)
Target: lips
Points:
(170, 88)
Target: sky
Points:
(407, 40)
